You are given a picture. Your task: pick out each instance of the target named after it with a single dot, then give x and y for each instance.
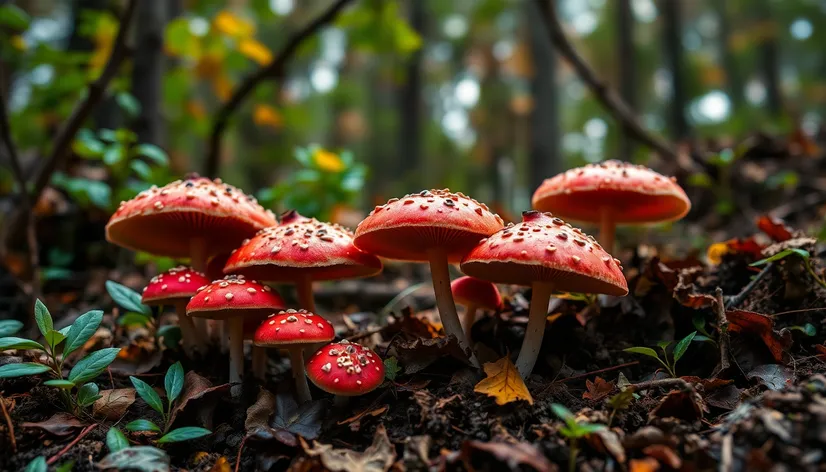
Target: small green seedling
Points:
(802, 253)
(173, 384)
(676, 355)
(123, 455)
(58, 345)
(573, 431)
(620, 401)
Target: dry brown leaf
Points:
(477, 455)
(376, 458)
(221, 465)
(598, 389)
(503, 383)
(113, 404)
(60, 424)
(762, 326)
(196, 388)
(664, 454)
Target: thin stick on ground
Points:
(741, 297)
(240, 450)
(9, 424)
(662, 383)
(275, 70)
(595, 372)
(80, 436)
(722, 325)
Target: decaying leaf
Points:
(418, 354)
(598, 389)
(773, 376)
(607, 441)
(774, 228)
(376, 458)
(664, 454)
(503, 383)
(195, 389)
(113, 404)
(290, 419)
(141, 458)
(520, 456)
(762, 326)
(60, 424)
(686, 405)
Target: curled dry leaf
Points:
(195, 389)
(664, 454)
(483, 456)
(113, 404)
(598, 389)
(418, 354)
(503, 383)
(60, 424)
(378, 457)
(762, 326)
(290, 420)
(774, 228)
(686, 405)
(773, 376)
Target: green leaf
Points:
(15, 18)
(134, 319)
(808, 329)
(59, 383)
(115, 440)
(54, 338)
(113, 155)
(184, 434)
(562, 413)
(141, 168)
(43, 317)
(154, 153)
(142, 425)
(22, 369)
(140, 458)
(9, 327)
(19, 343)
(87, 145)
(174, 381)
(99, 193)
(663, 344)
(81, 330)
(37, 465)
(782, 254)
(588, 428)
(171, 335)
(391, 368)
(646, 351)
(682, 346)
(126, 297)
(149, 395)
(129, 103)
(92, 365)
(65, 467)
(88, 394)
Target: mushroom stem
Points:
(259, 362)
(607, 228)
(470, 317)
(537, 320)
(236, 348)
(304, 292)
(444, 301)
(302, 388)
(197, 259)
(190, 337)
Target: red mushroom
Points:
(175, 287)
(434, 226)
(475, 293)
(294, 330)
(547, 254)
(345, 369)
(233, 299)
(302, 250)
(610, 193)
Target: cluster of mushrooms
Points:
(225, 232)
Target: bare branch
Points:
(608, 97)
(274, 70)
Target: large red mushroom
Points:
(175, 287)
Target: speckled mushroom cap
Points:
(293, 327)
(635, 194)
(179, 283)
(543, 248)
(407, 228)
(346, 369)
(162, 221)
(472, 291)
(231, 296)
(301, 247)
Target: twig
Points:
(671, 382)
(367, 334)
(240, 450)
(741, 297)
(612, 102)
(595, 372)
(80, 436)
(722, 326)
(94, 94)
(9, 423)
(274, 70)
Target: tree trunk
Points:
(672, 40)
(544, 155)
(627, 69)
(147, 73)
(734, 82)
(770, 62)
(411, 103)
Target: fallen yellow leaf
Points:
(255, 50)
(503, 383)
(221, 465)
(716, 252)
(328, 161)
(231, 24)
(265, 115)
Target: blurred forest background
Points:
(387, 96)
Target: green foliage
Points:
(9, 327)
(141, 458)
(677, 353)
(802, 253)
(127, 298)
(37, 465)
(115, 440)
(391, 368)
(573, 431)
(379, 27)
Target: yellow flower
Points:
(231, 24)
(265, 115)
(255, 50)
(19, 43)
(328, 161)
(716, 252)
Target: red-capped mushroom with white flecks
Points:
(546, 254)
(233, 299)
(611, 193)
(302, 250)
(435, 226)
(175, 287)
(345, 369)
(293, 330)
(474, 294)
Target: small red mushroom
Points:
(294, 330)
(345, 369)
(233, 299)
(612, 192)
(546, 254)
(475, 293)
(435, 226)
(175, 287)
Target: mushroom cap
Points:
(635, 194)
(301, 247)
(179, 283)
(293, 327)
(346, 369)
(472, 291)
(546, 249)
(163, 221)
(407, 228)
(234, 296)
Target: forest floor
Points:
(749, 396)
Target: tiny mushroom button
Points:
(293, 330)
(475, 293)
(547, 254)
(611, 193)
(345, 369)
(175, 287)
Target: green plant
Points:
(122, 455)
(574, 431)
(676, 355)
(620, 401)
(136, 312)
(173, 385)
(324, 181)
(802, 253)
(76, 391)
